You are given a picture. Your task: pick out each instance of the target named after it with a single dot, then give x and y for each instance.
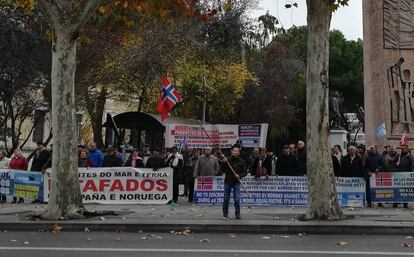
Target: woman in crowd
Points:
(18, 162)
(84, 161)
(135, 160)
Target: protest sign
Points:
(19, 183)
(122, 185)
(277, 191)
(396, 187)
(222, 135)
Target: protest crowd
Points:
(188, 164)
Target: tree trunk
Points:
(96, 114)
(323, 200)
(65, 196)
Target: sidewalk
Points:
(162, 218)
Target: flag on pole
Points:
(168, 99)
(380, 131)
(404, 139)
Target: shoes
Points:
(174, 204)
(225, 217)
(238, 217)
(36, 201)
(369, 205)
(380, 205)
(21, 200)
(405, 205)
(395, 205)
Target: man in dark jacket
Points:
(405, 164)
(336, 160)
(374, 163)
(156, 161)
(112, 159)
(286, 165)
(262, 165)
(235, 169)
(40, 158)
(301, 158)
(176, 161)
(352, 164)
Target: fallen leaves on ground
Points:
(284, 236)
(13, 240)
(119, 238)
(88, 239)
(102, 218)
(409, 237)
(266, 237)
(57, 228)
(231, 235)
(342, 243)
(204, 240)
(87, 230)
(405, 222)
(144, 238)
(406, 245)
(26, 242)
(276, 218)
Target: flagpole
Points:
(228, 164)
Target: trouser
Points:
(191, 190)
(176, 184)
(368, 191)
(236, 197)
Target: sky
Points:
(347, 19)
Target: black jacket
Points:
(406, 163)
(39, 160)
(111, 161)
(239, 166)
(155, 163)
(301, 162)
(353, 168)
(286, 165)
(337, 166)
(138, 164)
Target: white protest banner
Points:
(122, 185)
(277, 191)
(223, 135)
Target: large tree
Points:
(323, 199)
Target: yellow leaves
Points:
(27, 5)
(49, 35)
(227, 5)
(102, 10)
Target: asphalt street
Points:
(100, 244)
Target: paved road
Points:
(94, 244)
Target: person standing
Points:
(40, 158)
(4, 164)
(112, 159)
(405, 164)
(194, 161)
(286, 165)
(262, 165)
(352, 165)
(18, 162)
(374, 162)
(252, 159)
(146, 153)
(135, 160)
(156, 161)
(83, 160)
(207, 164)
(362, 152)
(301, 159)
(4, 161)
(234, 169)
(390, 160)
(336, 160)
(95, 155)
(176, 162)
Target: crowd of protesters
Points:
(188, 164)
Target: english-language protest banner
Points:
(122, 185)
(395, 187)
(19, 183)
(223, 136)
(277, 191)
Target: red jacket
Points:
(20, 163)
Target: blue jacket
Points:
(96, 158)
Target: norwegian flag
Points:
(383, 180)
(168, 99)
(204, 183)
(404, 139)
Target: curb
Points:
(232, 227)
